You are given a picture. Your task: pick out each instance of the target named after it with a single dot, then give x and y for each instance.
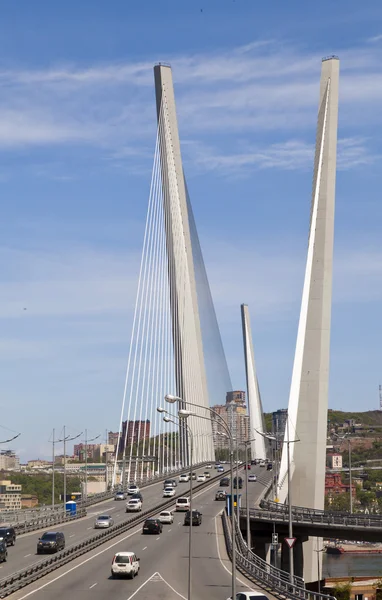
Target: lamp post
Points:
(288, 441)
(65, 439)
(186, 426)
(175, 399)
(318, 565)
(86, 460)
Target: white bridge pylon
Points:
(166, 353)
(256, 414)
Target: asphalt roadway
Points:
(164, 561)
(23, 554)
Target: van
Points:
(182, 504)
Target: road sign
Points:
(275, 538)
(290, 542)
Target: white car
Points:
(132, 489)
(262, 463)
(208, 466)
(134, 505)
(201, 477)
(182, 504)
(125, 564)
(166, 516)
(120, 496)
(252, 478)
(207, 475)
(221, 469)
(250, 596)
(103, 521)
(184, 478)
(168, 492)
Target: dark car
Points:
(224, 482)
(137, 496)
(220, 495)
(51, 541)
(152, 526)
(3, 552)
(269, 467)
(196, 518)
(253, 461)
(237, 483)
(170, 483)
(8, 535)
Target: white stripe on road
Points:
(72, 535)
(92, 586)
(145, 548)
(26, 556)
(147, 581)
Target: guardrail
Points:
(20, 519)
(264, 577)
(328, 519)
(24, 577)
(313, 512)
(262, 564)
(33, 525)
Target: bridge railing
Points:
(262, 564)
(278, 507)
(23, 520)
(279, 587)
(356, 521)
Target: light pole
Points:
(318, 565)
(186, 426)
(288, 441)
(65, 439)
(172, 399)
(86, 460)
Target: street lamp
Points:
(290, 523)
(65, 439)
(318, 565)
(185, 414)
(86, 460)
(188, 428)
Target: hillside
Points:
(338, 417)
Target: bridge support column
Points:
(262, 548)
(298, 557)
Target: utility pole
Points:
(350, 479)
(64, 471)
(53, 459)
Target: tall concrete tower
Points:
(308, 400)
(256, 415)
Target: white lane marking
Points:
(157, 576)
(92, 586)
(158, 538)
(118, 515)
(80, 564)
(219, 555)
(179, 523)
(26, 556)
(73, 534)
(169, 530)
(145, 548)
(89, 528)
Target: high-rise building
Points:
(279, 419)
(112, 438)
(9, 460)
(10, 495)
(136, 432)
(79, 451)
(237, 396)
(234, 415)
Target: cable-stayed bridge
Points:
(176, 347)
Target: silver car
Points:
(103, 521)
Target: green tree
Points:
(342, 591)
(339, 502)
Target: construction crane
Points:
(380, 397)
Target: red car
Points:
(247, 467)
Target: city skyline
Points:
(75, 190)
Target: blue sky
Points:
(77, 135)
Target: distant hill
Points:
(337, 417)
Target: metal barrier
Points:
(21, 520)
(53, 519)
(20, 579)
(262, 564)
(314, 512)
(334, 520)
(264, 576)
